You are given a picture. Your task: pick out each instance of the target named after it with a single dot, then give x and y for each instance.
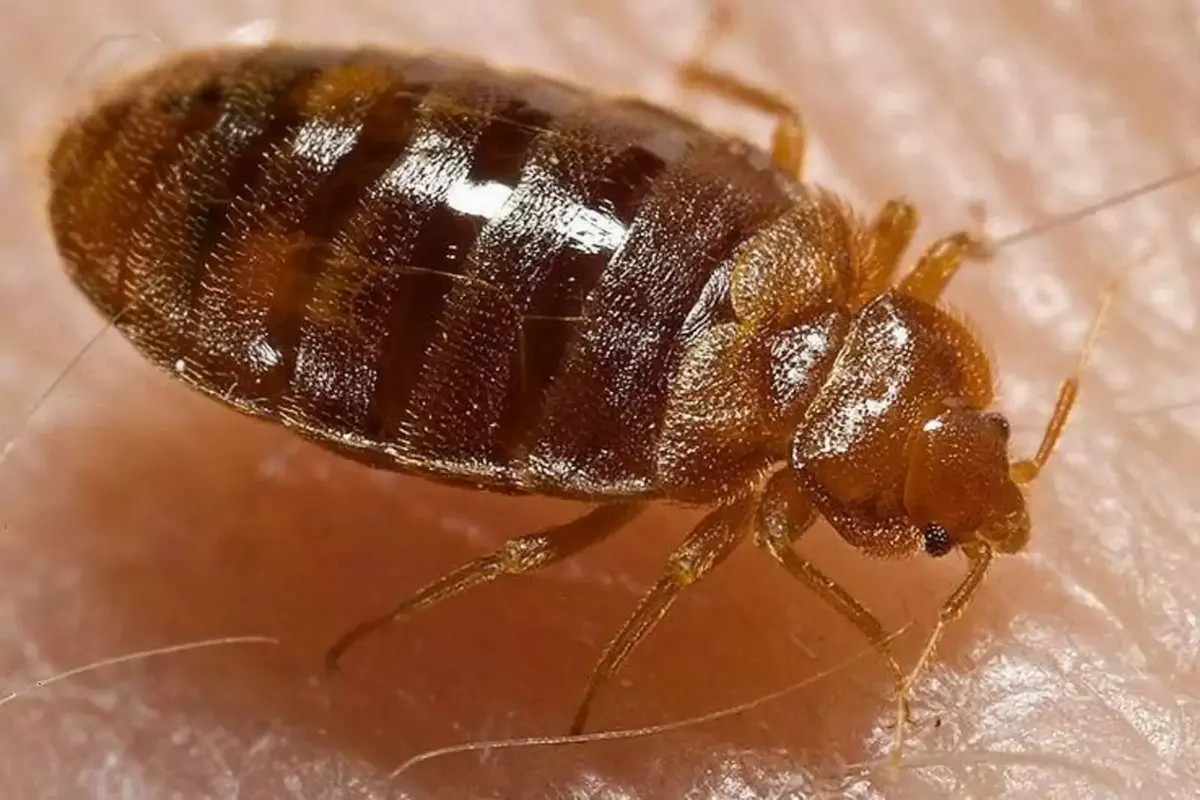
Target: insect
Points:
(503, 281)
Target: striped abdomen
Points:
(432, 266)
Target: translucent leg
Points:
(783, 517)
(526, 554)
(709, 543)
(892, 232)
(788, 139)
(940, 263)
(981, 558)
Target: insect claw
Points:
(333, 665)
(333, 656)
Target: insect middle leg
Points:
(788, 137)
(783, 517)
(709, 543)
(515, 557)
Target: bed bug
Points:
(503, 281)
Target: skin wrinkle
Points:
(135, 514)
(1141, 591)
(1037, 660)
(1109, 75)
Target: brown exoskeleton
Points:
(499, 280)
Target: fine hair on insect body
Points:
(500, 281)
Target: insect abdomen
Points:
(420, 261)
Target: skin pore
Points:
(138, 515)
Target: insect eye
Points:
(937, 540)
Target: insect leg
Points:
(709, 543)
(940, 262)
(783, 516)
(980, 557)
(892, 232)
(525, 554)
(788, 138)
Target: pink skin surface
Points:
(136, 514)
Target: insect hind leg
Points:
(709, 543)
(788, 139)
(517, 556)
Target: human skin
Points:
(137, 514)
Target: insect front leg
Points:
(788, 138)
(783, 516)
(980, 558)
(709, 543)
(515, 557)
